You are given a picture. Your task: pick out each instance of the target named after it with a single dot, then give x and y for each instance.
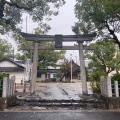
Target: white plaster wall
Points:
(7, 64)
(18, 76)
(42, 78)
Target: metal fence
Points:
(108, 88)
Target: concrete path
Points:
(57, 91)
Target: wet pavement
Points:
(55, 96)
(58, 91)
(61, 115)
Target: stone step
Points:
(82, 103)
(66, 105)
(29, 99)
(85, 102)
(63, 105)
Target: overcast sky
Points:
(62, 24)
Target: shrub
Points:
(59, 74)
(115, 77)
(53, 79)
(95, 80)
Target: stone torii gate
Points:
(58, 39)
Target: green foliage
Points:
(59, 74)
(101, 16)
(104, 57)
(49, 57)
(65, 67)
(53, 79)
(6, 50)
(12, 12)
(116, 77)
(95, 80)
(95, 75)
(45, 57)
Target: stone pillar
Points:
(47, 75)
(13, 84)
(109, 87)
(10, 82)
(5, 87)
(26, 73)
(34, 69)
(82, 69)
(105, 87)
(9, 87)
(116, 89)
(102, 85)
(24, 86)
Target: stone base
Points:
(6, 102)
(111, 102)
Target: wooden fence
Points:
(8, 87)
(107, 88)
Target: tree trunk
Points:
(112, 32)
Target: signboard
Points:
(58, 41)
(27, 72)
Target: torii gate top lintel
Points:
(65, 38)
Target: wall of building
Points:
(42, 78)
(7, 64)
(18, 76)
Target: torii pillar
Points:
(34, 69)
(82, 68)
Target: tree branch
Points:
(2, 4)
(113, 34)
(19, 7)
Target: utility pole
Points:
(76, 59)
(13, 53)
(26, 24)
(71, 66)
(24, 83)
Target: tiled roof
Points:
(48, 70)
(8, 59)
(11, 69)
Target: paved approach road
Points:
(61, 115)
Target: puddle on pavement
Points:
(48, 94)
(43, 86)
